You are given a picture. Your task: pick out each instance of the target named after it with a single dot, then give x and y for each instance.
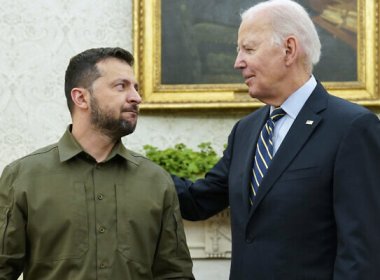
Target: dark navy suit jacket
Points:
(317, 213)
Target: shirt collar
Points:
(293, 105)
(69, 147)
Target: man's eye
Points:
(120, 86)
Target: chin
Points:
(256, 95)
(252, 94)
(128, 128)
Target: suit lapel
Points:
(303, 127)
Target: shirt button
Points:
(102, 265)
(250, 239)
(101, 229)
(100, 196)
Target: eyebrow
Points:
(127, 81)
(249, 42)
(118, 80)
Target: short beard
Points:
(107, 124)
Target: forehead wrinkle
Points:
(253, 31)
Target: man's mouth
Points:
(247, 79)
(133, 109)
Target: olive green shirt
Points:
(64, 216)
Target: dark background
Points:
(199, 42)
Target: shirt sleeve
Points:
(172, 260)
(12, 230)
(357, 201)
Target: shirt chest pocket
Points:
(58, 222)
(139, 218)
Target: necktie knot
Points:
(277, 114)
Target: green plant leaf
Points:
(183, 161)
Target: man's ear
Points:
(80, 97)
(291, 50)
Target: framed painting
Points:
(185, 51)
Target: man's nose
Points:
(239, 62)
(134, 97)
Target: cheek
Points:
(273, 67)
(259, 63)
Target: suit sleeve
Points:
(206, 197)
(12, 230)
(357, 201)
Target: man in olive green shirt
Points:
(86, 207)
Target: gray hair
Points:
(290, 18)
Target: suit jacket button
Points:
(249, 239)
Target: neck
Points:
(93, 142)
(287, 87)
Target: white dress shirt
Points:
(292, 106)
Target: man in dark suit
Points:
(304, 192)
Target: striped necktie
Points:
(264, 152)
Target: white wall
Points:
(37, 38)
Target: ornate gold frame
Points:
(147, 49)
